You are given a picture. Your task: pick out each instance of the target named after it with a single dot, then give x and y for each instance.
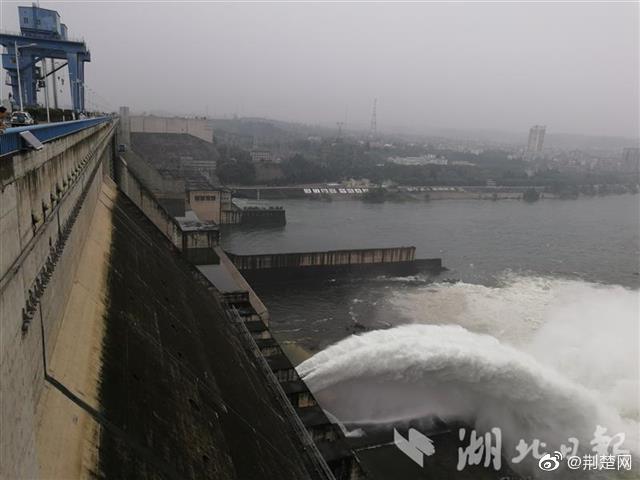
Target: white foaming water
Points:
(540, 358)
(509, 312)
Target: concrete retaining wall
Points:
(255, 301)
(39, 255)
(160, 186)
(144, 199)
(270, 268)
(198, 243)
(323, 259)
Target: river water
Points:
(480, 242)
(533, 328)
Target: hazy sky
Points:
(506, 66)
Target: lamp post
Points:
(46, 88)
(15, 45)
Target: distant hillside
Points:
(170, 150)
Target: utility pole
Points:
(15, 46)
(1, 84)
(55, 85)
(46, 88)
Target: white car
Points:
(21, 119)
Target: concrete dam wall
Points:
(116, 359)
(47, 202)
(196, 243)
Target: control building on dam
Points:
(131, 346)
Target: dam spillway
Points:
(132, 351)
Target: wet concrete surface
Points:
(180, 395)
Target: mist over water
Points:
(538, 357)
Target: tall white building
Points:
(631, 159)
(536, 139)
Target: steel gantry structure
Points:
(42, 36)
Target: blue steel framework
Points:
(42, 36)
(11, 142)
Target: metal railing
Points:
(27, 36)
(11, 141)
